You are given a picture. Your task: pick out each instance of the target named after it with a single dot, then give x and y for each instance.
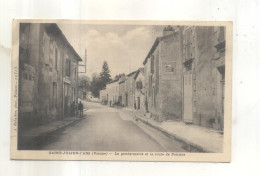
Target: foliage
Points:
(99, 82)
(105, 76)
(95, 85)
(84, 83)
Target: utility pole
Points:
(85, 65)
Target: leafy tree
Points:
(99, 82)
(84, 83)
(95, 85)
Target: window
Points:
(68, 66)
(66, 89)
(46, 48)
(188, 66)
(188, 44)
(56, 59)
(139, 85)
(154, 98)
(73, 94)
(54, 95)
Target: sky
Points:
(124, 47)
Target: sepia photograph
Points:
(121, 90)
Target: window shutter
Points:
(152, 64)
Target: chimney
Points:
(168, 30)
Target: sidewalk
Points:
(45, 129)
(201, 138)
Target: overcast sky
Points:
(124, 47)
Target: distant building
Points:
(89, 95)
(48, 70)
(140, 90)
(130, 90)
(122, 91)
(112, 89)
(103, 96)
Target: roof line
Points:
(130, 74)
(66, 40)
(155, 44)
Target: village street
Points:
(110, 129)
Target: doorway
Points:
(138, 102)
(187, 105)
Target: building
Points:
(103, 96)
(48, 74)
(122, 91)
(204, 76)
(112, 89)
(140, 90)
(185, 75)
(163, 76)
(130, 90)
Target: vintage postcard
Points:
(121, 90)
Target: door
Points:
(138, 102)
(126, 99)
(187, 107)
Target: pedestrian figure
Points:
(146, 105)
(72, 109)
(80, 108)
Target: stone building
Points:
(185, 75)
(130, 89)
(48, 74)
(112, 89)
(122, 91)
(140, 90)
(204, 76)
(163, 75)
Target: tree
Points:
(83, 85)
(105, 76)
(95, 85)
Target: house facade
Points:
(103, 96)
(130, 90)
(122, 91)
(140, 90)
(163, 76)
(204, 76)
(112, 89)
(185, 76)
(48, 70)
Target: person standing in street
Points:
(80, 108)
